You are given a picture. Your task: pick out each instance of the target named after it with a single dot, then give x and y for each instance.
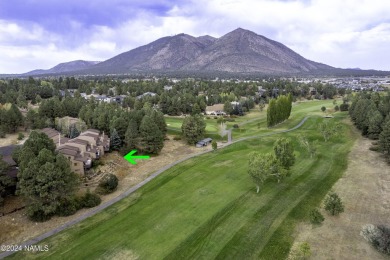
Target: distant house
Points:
(235, 103)
(167, 87)
(204, 142)
(215, 110)
(151, 94)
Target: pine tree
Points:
(73, 132)
(195, 109)
(152, 139)
(45, 178)
(384, 138)
(193, 129)
(132, 136)
(115, 140)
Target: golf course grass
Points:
(207, 207)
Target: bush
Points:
(235, 126)
(37, 215)
(215, 117)
(2, 133)
(68, 207)
(90, 200)
(20, 136)
(377, 236)
(221, 120)
(177, 138)
(375, 148)
(333, 204)
(107, 184)
(316, 217)
(207, 117)
(214, 145)
(344, 107)
(96, 163)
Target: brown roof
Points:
(69, 147)
(95, 136)
(215, 107)
(8, 159)
(79, 141)
(68, 152)
(81, 158)
(93, 131)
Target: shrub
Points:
(37, 215)
(20, 136)
(300, 251)
(68, 207)
(215, 117)
(2, 133)
(336, 108)
(96, 163)
(221, 120)
(177, 138)
(377, 236)
(214, 145)
(235, 126)
(107, 184)
(344, 107)
(316, 217)
(90, 200)
(333, 204)
(374, 148)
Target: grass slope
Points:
(207, 207)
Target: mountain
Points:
(168, 53)
(237, 52)
(244, 51)
(76, 65)
(240, 51)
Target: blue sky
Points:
(42, 33)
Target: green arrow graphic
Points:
(130, 157)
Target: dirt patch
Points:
(365, 191)
(13, 138)
(16, 228)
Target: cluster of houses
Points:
(80, 151)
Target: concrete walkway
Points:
(99, 208)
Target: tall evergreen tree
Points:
(132, 136)
(193, 129)
(115, 140)
(152, 139)
(45, 178)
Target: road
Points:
(99, 208)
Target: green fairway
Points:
(207, 207)
(254, 122)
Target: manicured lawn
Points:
(207, 207)
(255, 122)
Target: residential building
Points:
(82, 150)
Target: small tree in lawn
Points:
(261, 105)
(311, 147)
(323, 109)
(284, 152)
(214, 145)
(258, 169)
(115, 140)
(333, 204)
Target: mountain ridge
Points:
(239, 51)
